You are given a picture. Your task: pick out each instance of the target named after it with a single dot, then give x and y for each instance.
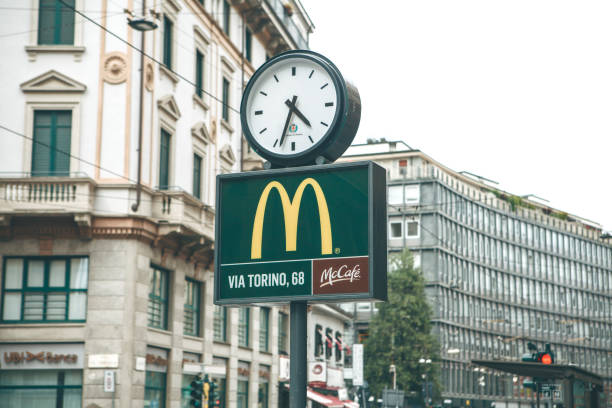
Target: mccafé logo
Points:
(340, 275)
(291, 211)
(330, 275)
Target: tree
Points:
(400, 333)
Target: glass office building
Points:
(501, 271)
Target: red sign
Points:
(340, 275)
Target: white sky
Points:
(516, 91)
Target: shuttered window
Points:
(164, 159)
(225, 100)
(197, 176)
(51, 145)
(55, 22)
(199, 73)
(167, 57)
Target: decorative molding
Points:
(168, 104)
(115, 67)
(34, 50)
(149, 78)
(52, 81)
(227, 64)
(199, 131)
(227, 154)
(201, 36)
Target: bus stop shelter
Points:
(577, 388)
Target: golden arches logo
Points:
(291, 211)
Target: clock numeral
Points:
(323, 123)
(275, 142)
(292, 71)
(276, 78)
(263, 93)
(262, 130)
(327, 83)
(259, 112)
(311, 141)
(292, 146)
(311, 72)
(329, 104)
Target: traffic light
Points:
(213, 397)
(547, 356)
(196, 392)
(543, 357)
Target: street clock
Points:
(297, 109)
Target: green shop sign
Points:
(314, 233)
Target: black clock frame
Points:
(341, 131)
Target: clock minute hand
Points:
(297, 112)
(287, 122)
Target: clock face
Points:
(292, 106)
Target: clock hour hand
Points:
(297, 112)
(287, 122)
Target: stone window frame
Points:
(170, 9)
(202, 44)
(52, 91)
(77, 49)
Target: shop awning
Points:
(326, 400)
(350, 404)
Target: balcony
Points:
(42, 195)
(272, 16)
(78, 206)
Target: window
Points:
(243, 326)
(191, 324)
(226, 17)
(395, 229)
(412, 227)
(197, 176)
(158, 298)
(164, 159)
(407, 194)
(44, 289)
(262, 394)
(318, 347)
(51, 146)
(264, 329)
(155, 389)
(282, 333)
(329, 343)
(55, 23)
(225, 100)
(243, 394)
(35, 388)
(199, 73)
(220, 324)
(248, 44)
(167, 42)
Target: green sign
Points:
(309, 233)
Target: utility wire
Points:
(49, 28)
(147, 55)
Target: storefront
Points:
(192, 367)
(41, 375)
(155, 379)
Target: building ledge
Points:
(34, 50)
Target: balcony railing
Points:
(46, 194)
(291, 27)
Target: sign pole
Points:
(297, 350)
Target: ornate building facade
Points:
(107, 187)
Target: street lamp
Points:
(426, 396)
(392, 371)
(142, 24)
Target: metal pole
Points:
(297, 349)
(537, 394)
